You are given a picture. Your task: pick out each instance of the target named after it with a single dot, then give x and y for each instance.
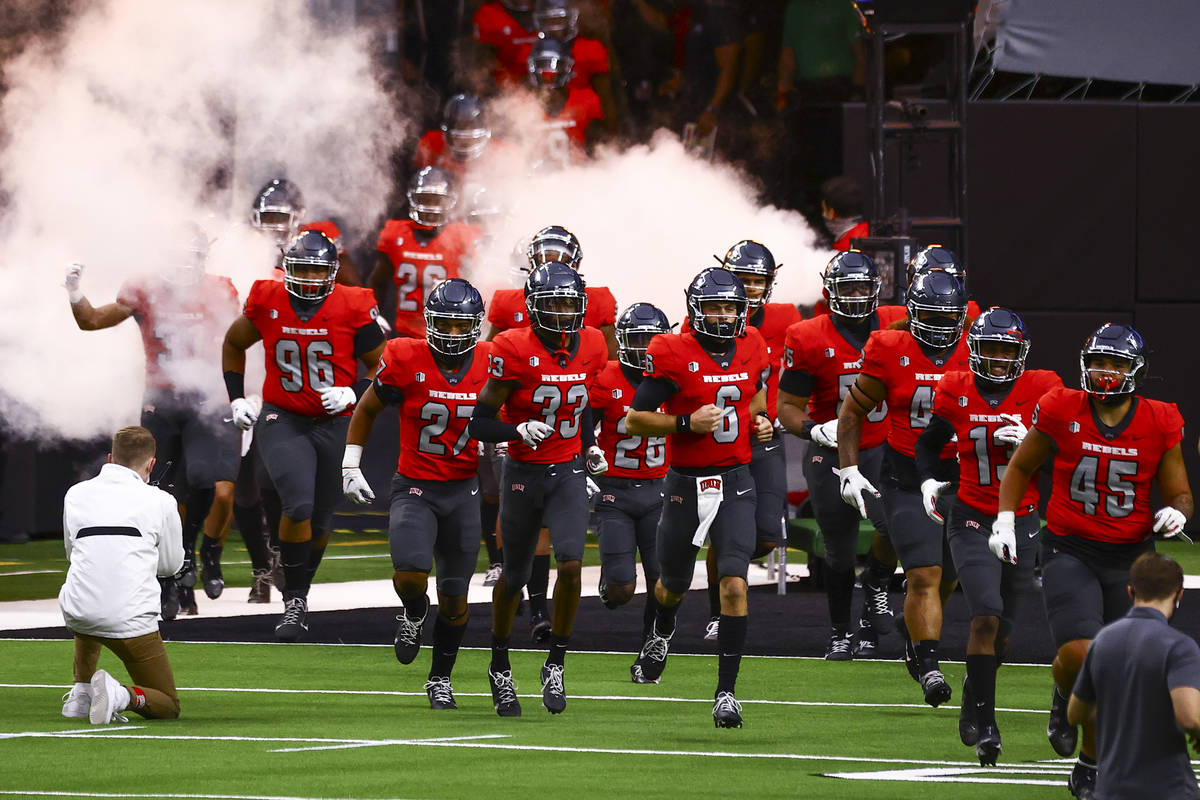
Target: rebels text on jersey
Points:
(679, 358)
(304, 357)
(629, 456)
(507, 309)
(896, 359)
(551, 387)
(1101, 486)
(434, 408)
(417, 267)
(815, 346)
(181, 326)
(981, 460)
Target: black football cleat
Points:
(727, 711)
(865, 641)
(937, 691)
(504, 693)
(839, 647)
(408, 637)
(968, 721)
(910, 652)
(652, 659)
(441, 696)
(988, 747)
(1063, 735)
(1082, 782)
(260, 587)
(169, 598)
(210, 568)
(293, 624)
(554, 694)
(876, 604)
(539, 628)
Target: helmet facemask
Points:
(936, 327)
(431, 208)
(309, 279)
(717, 325)
(997, 359)
(632, 344)
(559, 310)
(853, 296)
(1118, 378)
(450, 343)
(747, 276)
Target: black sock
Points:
(839, 589)
(314, 560)
(664, 619)
(731, 640)
(295, 567)
(416, 606)
(273, 509)
(649, 611)
(447, 639)
(714, 598)
(878, 574)
(488, 512)
(981, 672)
(558, 649)
(199, 501)
(927, 655)
(539, 583)
(249, 522)
(500, 655)
(209, 546)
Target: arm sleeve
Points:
(486, 428)
(170, 537)
(652, 393)
(367, 338)
(587, 430)
(796, 382)
(928, 451)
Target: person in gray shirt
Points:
(1141, 684)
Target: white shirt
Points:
(120, 534)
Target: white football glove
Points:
(931, 490)
(853, 484)
(244, 415)
(597, 464)
(825, 434)
(1012, 433)
(337, 399)
(1003, 541)
(501, 450)
(72, 280)
(593, 489)
(1169, 521)
(534, 432)
(355, 486)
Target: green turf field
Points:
(308, 721)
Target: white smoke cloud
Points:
(113, 134)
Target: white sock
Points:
(84, 689)
(121, 699)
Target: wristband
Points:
(74, 295)
(235, 384)
(683, 423)
(806, 429)
(352, 456)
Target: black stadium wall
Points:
(1078, 213)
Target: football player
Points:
(540, 376)
(434, 382)
(937, 257)
(420, 252)
(822, 358)
(559, 19)
(1108, 444)
(754, 264)
(987, 409)
(313, 330)
(710, 383)
(902, 367)
(278, 212)
(629, 500)
(503, 29)
(180, 313)
(573, 114)
(463, 144)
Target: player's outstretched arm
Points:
(1173, 481)
(238, 339)
(865, 393)
(1026, 461)
(87, 317)
(793, 413)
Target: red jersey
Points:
(554, 391)
(629, 456)
(432, 151)
(678, 357)
(494, 25)
(182, 327)
(1101, 486)
(564, 135)
(330, 229)
(507, 309)
(817, 347)
(434, 409)
(858, 231)
(417, 267)
(981, 460)
(591, 59)
(304, 356)
(896, 359)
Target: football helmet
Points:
(453, 300)
(310, 265)
(431, 197)
(550, 64)
(189, 256)
(636, 326)
(1115, 341)
(716, 284)
(749, 257)
(846, 277)
(1005, 327)
(556, 298)
(936, 257)
(558, 19)
(465, 125)
(278, 210)
(937, 309)
(554, 243)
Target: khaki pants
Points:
(146, 660)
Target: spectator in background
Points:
(642, 46)
(120, 535)
(842, 211)
(1140, 683)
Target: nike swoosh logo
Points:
(772, 447)
(577, 471)
(1034, 534)
(742, 492)
(474, 492)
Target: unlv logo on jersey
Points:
(616, 394)
(962, 402)
(518, 487)
(415, 490)
(693, 366)
(420, 377)
(1073, 427)
(274, 314)
(709, 483)
(517, 317)
(533, 361)
(608, 498)
(904, 361)
(972, 524)
(829, 352)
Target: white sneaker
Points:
(492, 575)
(77, 702)
(109, 699)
